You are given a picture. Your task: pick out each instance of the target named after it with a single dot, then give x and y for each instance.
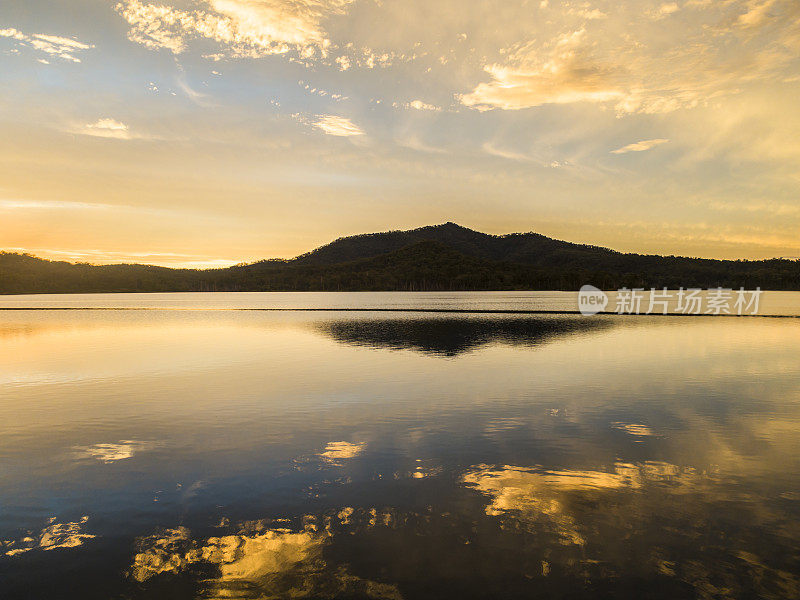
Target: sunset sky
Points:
(211, 132)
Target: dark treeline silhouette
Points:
(437, 258)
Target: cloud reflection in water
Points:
(54, 535)
(258, 562)
(111, 452)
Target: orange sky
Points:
(220, 131)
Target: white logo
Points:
(591, 300)
(685, 301)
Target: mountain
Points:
(440, 257)
(526, 248)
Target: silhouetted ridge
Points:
(526, 248)
(437, 258)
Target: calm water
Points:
(224, 454)
(771, 303)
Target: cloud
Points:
(295, 29)
(591, 14)
(668, 8)
(643, 68)
(242, 28)
(640, 146)
(49, 204)
(420, 105)
(320, 92)
(15, 204)
(52, 45)
(198, 98)
(756, 13)
(491, 148)
(339, 126)
(417, 105)
(563, 74)
(343, 63)
(106, 128)
(413, 142)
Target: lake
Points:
(180, 448)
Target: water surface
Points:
(770, 302)
(224, 454)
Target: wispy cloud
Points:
(640, 146)
(339, 126)
(295, 29)
(757, 11)
(491, 148)
(53, 45)
(98, 207)
(417, 105)
(49, 205)
(562, 74)
(198, 98)
(413, 142)
(645, 69)
(106, 128)
(241, 28)
(71, 205)
(668, 8)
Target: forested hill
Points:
(525, 248)
(441, 257)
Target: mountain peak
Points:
(449, 226)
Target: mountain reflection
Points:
(450, 336)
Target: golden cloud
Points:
(563, 75)
(338, 126)
(52, 45)
(243, 28)
(640, 146)
(645, 68)
(107, 128)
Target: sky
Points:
(212, 132)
